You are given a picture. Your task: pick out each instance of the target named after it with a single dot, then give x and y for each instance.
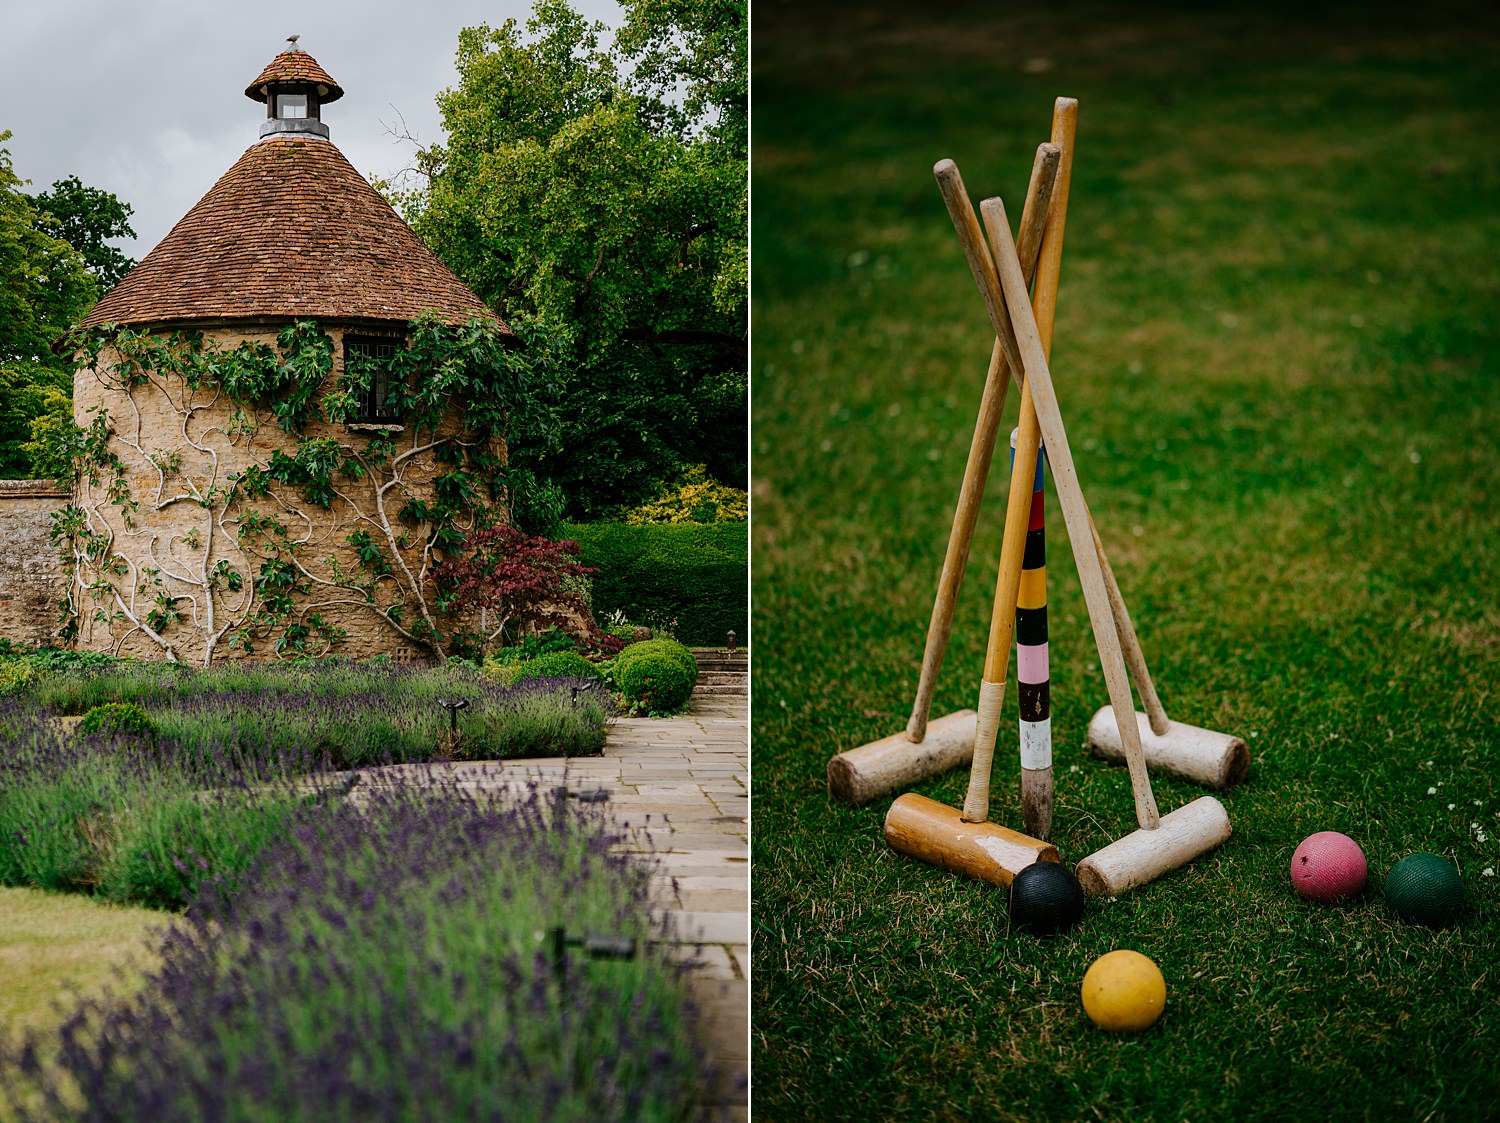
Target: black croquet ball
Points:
(1045, 898)
(1424, 889)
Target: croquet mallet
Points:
(861, 774)
(1162, 842)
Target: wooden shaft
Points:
(1036, 776)
(1039, 193)
(1049, 265)
(1070, 497)
(1033, 668)
(1044, 303)
(932, 832)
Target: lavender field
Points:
(347, 945)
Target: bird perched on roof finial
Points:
(292, 39)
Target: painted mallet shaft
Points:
(1033, 667)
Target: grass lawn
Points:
(1276, 354)
(56, 944)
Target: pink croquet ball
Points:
(1328, 867)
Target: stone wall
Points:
(173, 575)
(31, 575)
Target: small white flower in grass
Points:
(1451, 806)
(1073, 768)
(1432, 791)
(1481, 837)
(1489, 871)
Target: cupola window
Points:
(289, 105)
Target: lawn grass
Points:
(56, 944)
(1276, 356)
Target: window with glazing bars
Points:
(375, 404)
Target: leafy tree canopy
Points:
(594, 193)
(85, 217)
(45, 287)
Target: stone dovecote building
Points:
(171, 556)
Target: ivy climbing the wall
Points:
(227, 496)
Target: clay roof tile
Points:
(291, 230)
(294, 65)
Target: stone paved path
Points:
(685, 782)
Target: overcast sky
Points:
(145, 98)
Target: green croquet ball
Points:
(1424, 889)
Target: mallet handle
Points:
(1039, 193)
(1033, 361)
(1036, 784)
(1044, 302)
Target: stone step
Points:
(711, 664)
(739, 691)
(723, 676)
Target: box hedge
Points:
(696, 574)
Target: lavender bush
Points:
(131, 819)
(349, 714)
(388, 960)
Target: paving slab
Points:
(690, 774)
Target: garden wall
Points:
(696, 575)
(31, 576)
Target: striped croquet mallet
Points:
(1033, 674)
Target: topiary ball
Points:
(120, 719)
(557, 664)
(1045, 898)
(1425, 889)
(1328, 867)
(657, 675)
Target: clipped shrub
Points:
(696, 498)
(14, 675)
(657, 676)
(695, 575)
(557, 664)
(118, 718)
(501, 671)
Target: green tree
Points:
(45, 288)
(86, 217)
(596, 197)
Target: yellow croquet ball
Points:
(1123, 991)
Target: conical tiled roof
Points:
(295, 65)
(291, 230)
